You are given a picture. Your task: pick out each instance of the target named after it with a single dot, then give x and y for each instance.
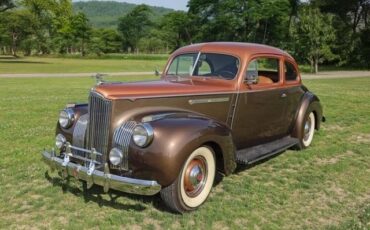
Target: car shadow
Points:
(95, 194)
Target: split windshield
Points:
(204, 65)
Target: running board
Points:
(259, 152)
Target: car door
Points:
(259, 116)
(293, 91)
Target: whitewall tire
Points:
(194, 183)
(308, 130)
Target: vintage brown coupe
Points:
(216, 105)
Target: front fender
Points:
(176, 136)
(79, 110)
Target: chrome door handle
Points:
(283, 95)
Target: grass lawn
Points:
(324, 187)
(75, 65)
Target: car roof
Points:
(237, 48)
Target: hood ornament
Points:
(99, 78)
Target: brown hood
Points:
(163, 88)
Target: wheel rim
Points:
(195, 176)
(308, 129)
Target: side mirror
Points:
(251, 79)
(156, 72)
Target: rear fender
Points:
(309, 103)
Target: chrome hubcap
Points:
(195, 176)
(307, 128)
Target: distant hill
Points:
(105, 14)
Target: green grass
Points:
(324, 187)
(126, 63)
(307, 68)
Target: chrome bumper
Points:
(105, 179)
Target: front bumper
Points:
(105, 179)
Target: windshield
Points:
(204, 65)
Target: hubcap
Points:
(307, 128)
(195, 176)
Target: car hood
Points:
(163, 88)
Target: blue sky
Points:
(173, 4)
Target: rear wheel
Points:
(194, 183)
(308, 130)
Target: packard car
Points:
(215, 105)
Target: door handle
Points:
(283, 95)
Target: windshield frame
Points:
(199, 53)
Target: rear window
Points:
(290, 72)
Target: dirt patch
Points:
(335, 159)
(241, 222)
(334, 128)
(219, 225)
(133, 227)
(154, 223)
(176, 225)
(361, 138)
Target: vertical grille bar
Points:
(79, 134)
(122, 138)
(99, 118)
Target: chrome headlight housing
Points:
(66, 118)
(60, 141)
(143, 134)
(115, 156)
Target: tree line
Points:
(336, 32)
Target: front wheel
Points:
(194, 183)
(308, 130)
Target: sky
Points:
(173, 4)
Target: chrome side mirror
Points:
(156, 72)
(251, 78)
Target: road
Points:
(321, 75)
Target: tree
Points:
(105, 41)
(262, 21)
(314, 34)
(176, 29)
(6, 5)
(80, 30)
(17, 27)
(135, 25)
(351, 18)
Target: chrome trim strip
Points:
(84, 150)
(203, 94)
(102, 178)
(195, 64)
(175, 95)
(208, 100)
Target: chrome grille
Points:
(79, 134)
(121, 139)
(99, 123)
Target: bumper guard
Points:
(102, 178)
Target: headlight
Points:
(143, 134)
(66, 118)
(60, 141)
(115, 156)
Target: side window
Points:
(182, 65)
(267, 70)
(290, 72)
(204, 69)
